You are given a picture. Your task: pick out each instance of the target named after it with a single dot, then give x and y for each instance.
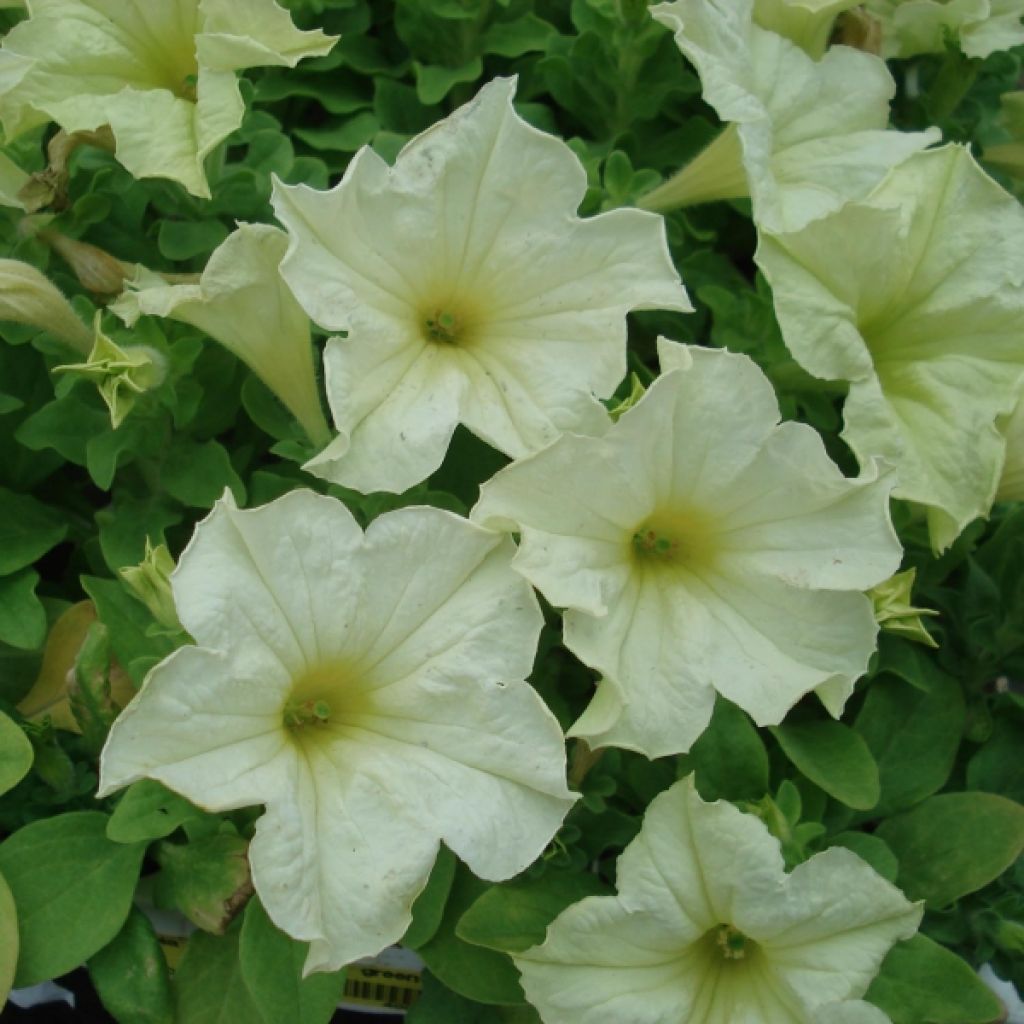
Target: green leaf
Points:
(515, 915)
(833, 757)
(130, 975)
(73, 890)
(871, 849)
(272, 970)
(65, 425)
(954, 844)
(8, 940)
(522, 35)
(914, 735)
(428, 907)
(148, 810)
(15, 753)
(345, 137)
(184, 240)
(28, 529)
(22, 615)
(434, 81)
(440, 1005)
(474, 972)
(998, 766)
(207, 880)
(729, 759)
(920, 982)
(208, 983)
(196, 474)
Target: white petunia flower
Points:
(160, 73)
(470, 291)
(808, 23)
(803, 135)
(368, 690)
(700, 546)
(708, 928)
(981, 27)
(241, 301)
(916, 297)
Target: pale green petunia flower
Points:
(916, 297)
(471, 293)
(802, 135)
(981, 27)
(700, 546)
(368, 690)
(160, 73)
(241, 301)
(808, 23)
(708, 928)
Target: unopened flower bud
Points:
(28, 297)
(895, 613)
(150, 582)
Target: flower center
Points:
(679, 537)
(321, 701)
(299, 714)
(731, 943)
(442, 326)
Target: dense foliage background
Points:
(900, 781)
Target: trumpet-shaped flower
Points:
(367, 688)
(242, 301)
(804, 135)
(808, 23)
(700, 545)
(916, 297)
(708, 928)
(470, 292)
(911, 27)
(160, 73)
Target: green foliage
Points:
(923, 777)
(272, 970)
(514, 916)
(479, 974)
(72, 888)
(130, 975)
(428, 908)
(922, 983)
(954, 844)
(833, 757)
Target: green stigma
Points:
(731, 942)
(649, 542)
(307, 712)
(443, 327)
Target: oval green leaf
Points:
(15, 753)
(833, 757)
(72, 888)
(954, 843)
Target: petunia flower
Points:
(916, 297)
(708, 928)
(160, 73)
(981, 27)
(242, 301)
(470, 291)
(368, 689)
(802, 135)
(27, 296)
(700, 546)
(808, 23)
